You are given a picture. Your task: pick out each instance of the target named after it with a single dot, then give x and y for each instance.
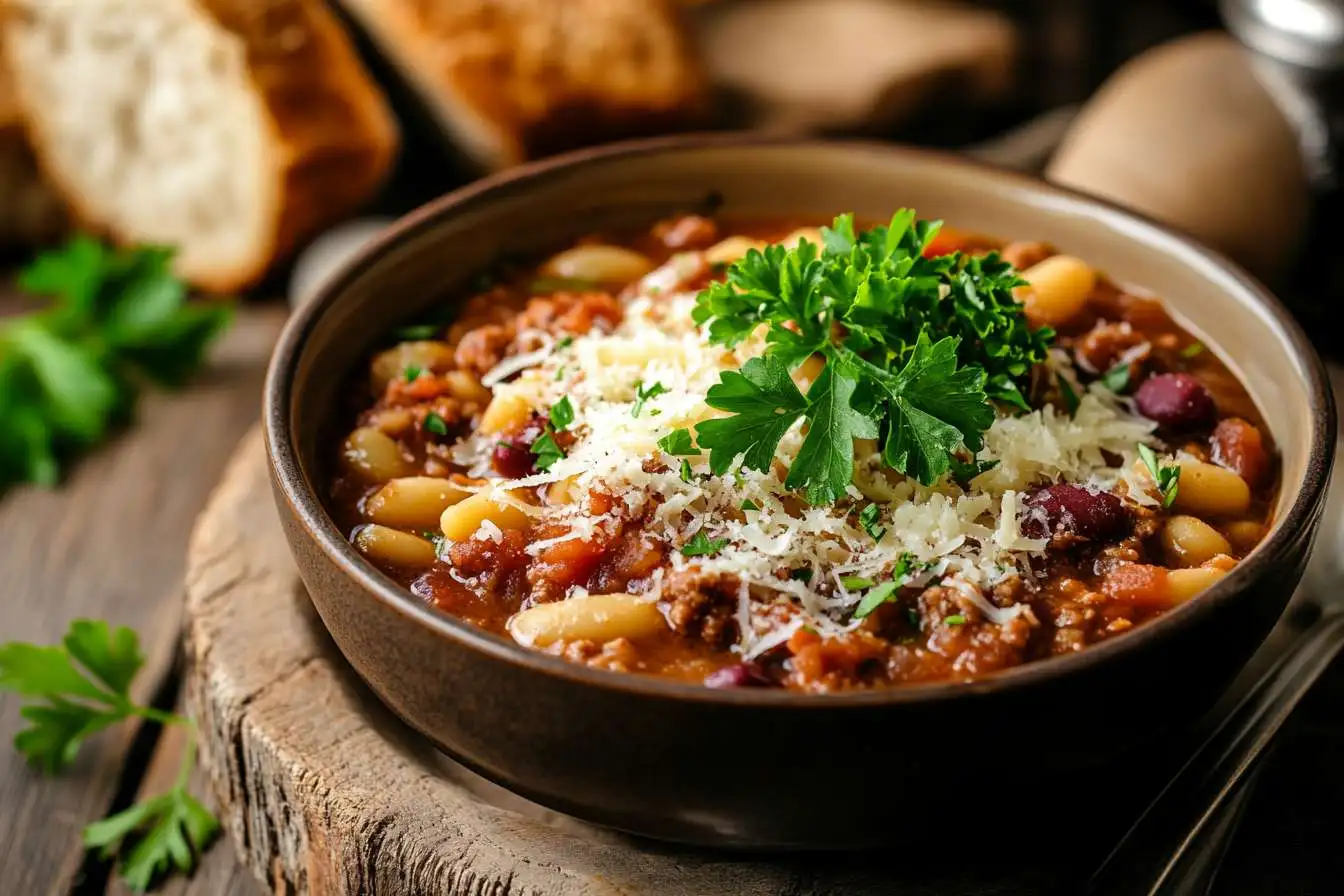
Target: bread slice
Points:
(230, 129)
(30, 211)
(511, 80)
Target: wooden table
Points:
(110, 544)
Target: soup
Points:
(766, 454)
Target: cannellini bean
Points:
(463, 385)
(596, 617)
(1207, 490)
(507, 411)
(731, 250)
(1058, 289)
(374, 455)
(394, 548)
(392, 363)
(413, 502)
(598, 263)
(1244, 534)
(1189, 541)
(1183, 584)
(461, 520)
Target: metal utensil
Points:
(1187, 817)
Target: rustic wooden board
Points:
(324, 792)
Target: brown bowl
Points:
(766, 767)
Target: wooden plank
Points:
(110, 544)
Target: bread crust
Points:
(333, 137)
(518, 79)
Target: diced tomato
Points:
(944, 243)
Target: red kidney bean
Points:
(512, 460)
(1175, 400)
(1068, 509)
(738, 675)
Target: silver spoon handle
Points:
(1146, 861)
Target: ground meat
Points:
(702, 606)
(484, 347)
(619, 655)
(570, 312)
(1100, 348)
(853, 660)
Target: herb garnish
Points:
(954, 619)
(701, 545)
(546, 450)
(904, 568)
(1166, 476)
(678, 443)
(856, 583)
(412, 373)
(562, 413)
(868, 520)
(1192, 350)
(82, 686)
(1067, 393)
(119, 322)
(643, 394)
(1117, 378)
(749, 504)
(436, 424)
(869, 304)
(563, 343)
(416, 332)
(686, 474)
(802, 574)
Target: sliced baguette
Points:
(511, 80)
(30, 211)
(231, 129)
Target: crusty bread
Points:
(228, 128)
(30, 211)
(518, 79)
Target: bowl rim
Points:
(305, 505)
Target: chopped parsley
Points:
(955, 619)
(904, 568)
(1067, 393)
(546, 451)
(889, 377)
(802, 574)
(686, 474)
(1166, 476)
(1117, 378)
(856, 583)
(646, 393)
(560, 373)
(963, 471)
(750, 505)
(562, 413)
(868, 520)
(412, 373)
(1192, 350)
(678, 443)
(416, 332)
(563, 343)
(701, 545)
(436, 424)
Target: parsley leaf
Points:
(904, 568)
(643, 394)
(119, 321)
(686, 474)
(416, 332)
(825, 463)
(1167, 477)
(412, 373)
(1117, 378)
(701, 545)
(1192, 350)
(868, 519)
(678, 443)
(855, 583)
(1067, 393)
(954, 619)
(765, 402)
(546, 451)
(83, 686)
(436, 424)
(562, 413)
(749, 504)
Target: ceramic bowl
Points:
(766, 768)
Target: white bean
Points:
(413, 502)
(374, 455)
(595, 617)
(393, 547)
(461, 520)
(598, 263)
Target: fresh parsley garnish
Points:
(562, 413)
(563, 343)
(1117, 378)
(868, 520)
(119, 321)
(802, 574)
(870, 305)
(82, 686)
(412, 373)
(686, 474)
(436, 424)
(701, 545)
(1192, 350)
(645, 393)
(955, 619)
(559, 373)
(546, 450)
(750, 505)
(678, 443)
(963, 471)
(904, 568)
(416, 332)
(1067, 393)
(856, 583)
(1166, 476)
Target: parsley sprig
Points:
(72, 371)
(1167, 477)
(82, 686)
(915, 349)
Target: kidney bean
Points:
(738, 675)
(1175, 400)
(1068, 509)
(512, 460)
